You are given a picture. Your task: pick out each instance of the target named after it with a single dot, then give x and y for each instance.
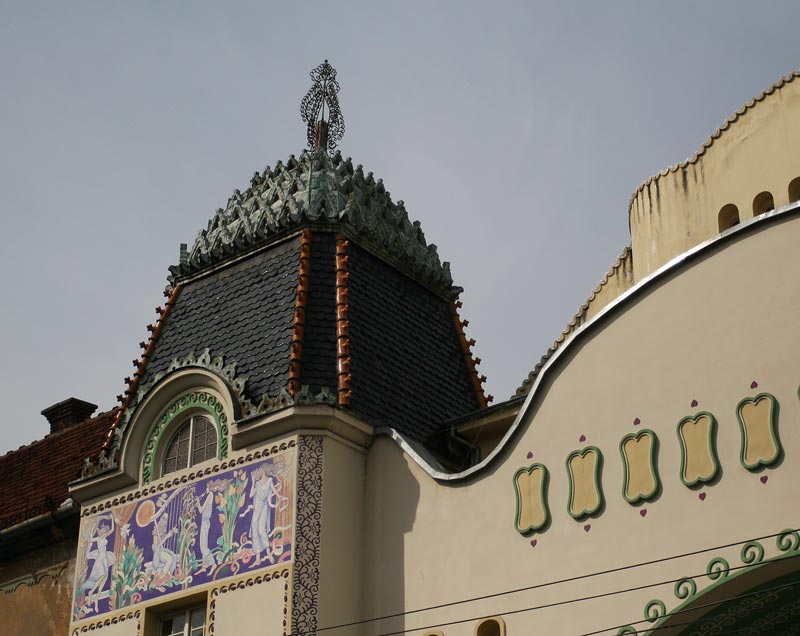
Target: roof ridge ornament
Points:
(322, 135)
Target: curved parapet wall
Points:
(753, 154)
(652, 466)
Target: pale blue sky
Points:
(514, 131)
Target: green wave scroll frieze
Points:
(718, 572)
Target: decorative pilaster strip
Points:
(472, 363)
(126, 400)
(300, 304)
(342, 322)
(305, 582)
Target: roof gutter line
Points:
(66, 509)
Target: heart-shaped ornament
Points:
(533, 543)
(587, 527)
(643, 512)
(702, 496)
(582, 438)
(694, 403)
(637, 421)
(754, 385)
(530, 455)
(764, 479)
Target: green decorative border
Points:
(718, 572)
(773, 422)
(653, 470)
(542, 495)
(198, 400)
(712, 448)
(596, 479)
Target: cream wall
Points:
(341, 546)
(755, 151)
(705, 333)
(255, 607)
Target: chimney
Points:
(68, 413)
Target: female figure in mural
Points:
(103, 562)
(205, 509)
(164, 559)
(265, 492)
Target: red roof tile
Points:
(34, 478)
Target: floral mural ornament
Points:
(195, 533)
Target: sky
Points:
(515, 132)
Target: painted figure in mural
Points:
(265, 492)
(205, 509)
(103, 561)
(164, 559)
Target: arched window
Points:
(193, 442)
(495, 626)
(794, 190)
(728, 217)
(763, 203)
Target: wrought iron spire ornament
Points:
(323, 135)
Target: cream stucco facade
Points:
(647, 480)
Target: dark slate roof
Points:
(408, 368)
(318, 190)
(34, 478)
(244, 313)
(318, 367)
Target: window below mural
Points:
(190, 622)
(195, 441)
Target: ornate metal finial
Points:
(323, 135)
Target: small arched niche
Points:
(494, 626)
(794, 190)
(763, 203)
(728, 217)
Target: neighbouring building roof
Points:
(34, 478)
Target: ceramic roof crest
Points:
(320, 190)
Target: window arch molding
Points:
(200, 402)
(157, 402)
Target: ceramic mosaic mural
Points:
(228, 523)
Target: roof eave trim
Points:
(423, 459)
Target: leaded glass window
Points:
(195, 441)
